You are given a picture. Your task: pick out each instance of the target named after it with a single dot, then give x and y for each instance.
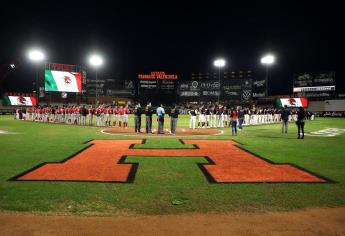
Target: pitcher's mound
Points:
(179, 131)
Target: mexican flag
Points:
(292, 102)
(62, 81)
(19, 101)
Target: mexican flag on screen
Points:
(62, 81)
(19, 101)
(292, 102)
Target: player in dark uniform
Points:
(148, 116)
(137, 118)
(208, 115)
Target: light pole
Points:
(96, 61)
(219, 63)
(267, 60)
(36, 56)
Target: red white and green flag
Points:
(19, 101)
(292, 102)
(62, 81)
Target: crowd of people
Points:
(210, 116)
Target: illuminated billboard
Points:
(292, 102)
(63, 81)
(157, 75)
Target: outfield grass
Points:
(160, 182)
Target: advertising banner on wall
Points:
(19, 101)
(167, 86)
(209, 89)
(237, 89)
(189, 90)
(111, 87)
(259, 88)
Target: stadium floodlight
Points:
(220, 63)
(36, 55)
(267, 60)
(96, 61)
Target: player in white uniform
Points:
(192, 119)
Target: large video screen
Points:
(19, 101)
(62, 81)
(314, 82)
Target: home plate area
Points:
(105, 161)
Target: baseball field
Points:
(67, 169)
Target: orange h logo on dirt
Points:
(104, 161)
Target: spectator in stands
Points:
(301, 114)
(285, 119)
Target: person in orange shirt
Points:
(233, 120)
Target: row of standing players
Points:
(220, 116)
(108, 115)
(216, 116)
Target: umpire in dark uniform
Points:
(285, 119)
(137, 118)
(173, 119)
(148, 114)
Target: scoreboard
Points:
(157, 82)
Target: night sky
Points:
(304, 38)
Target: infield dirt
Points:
(316, 221)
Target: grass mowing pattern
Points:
(160, 182)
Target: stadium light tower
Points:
(96, 61)
(267, 60)
(36, 56)
(220, 63)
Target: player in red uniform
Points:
(121, 115)
(126, 113)
(40, 114)
(28, 113)
(103, 110)
(108, 113)
(78, 115)
(90, 112)
(98, 116)
(115, 115)
(225, 116)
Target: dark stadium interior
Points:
(178, 40)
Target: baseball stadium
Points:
(207, 150)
